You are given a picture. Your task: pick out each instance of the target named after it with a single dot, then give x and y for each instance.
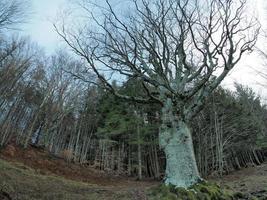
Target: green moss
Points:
(201, 191)
(239, 195)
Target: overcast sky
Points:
(44, 12)
(39, 27)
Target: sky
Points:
(40, 25)
(244, 72)
(44, 13)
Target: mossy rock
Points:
(200, 191)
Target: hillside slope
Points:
(23, 183)
(33, 174)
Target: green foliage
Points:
(117, 118)
(120, 119)
(241, 115)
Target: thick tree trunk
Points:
(176, 141)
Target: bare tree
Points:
(12, 12)
(180, 50)
(261, 72)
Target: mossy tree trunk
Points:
(176, 141)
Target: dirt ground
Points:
(35, 174)
(252, 180)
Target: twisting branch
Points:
(179, 50)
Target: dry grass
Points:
(67, 155)
(23, 183)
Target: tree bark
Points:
(176, 141)
(139, 153)
(181, 167)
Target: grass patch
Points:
(23, 183)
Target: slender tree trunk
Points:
(77, 144)
(139, 153)
(129, 161)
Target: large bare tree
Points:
(180, 50)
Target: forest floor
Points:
(35, 174)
